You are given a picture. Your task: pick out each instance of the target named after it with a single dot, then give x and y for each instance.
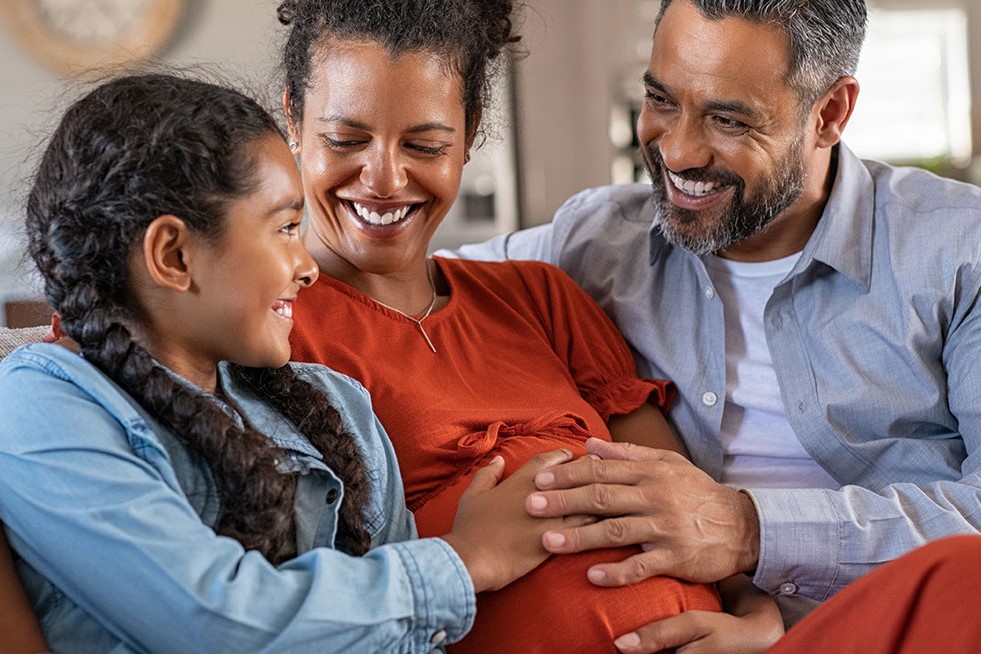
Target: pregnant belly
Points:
(554, 608)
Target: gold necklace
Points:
(425, 314)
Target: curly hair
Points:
(132, 149)
(469, 35)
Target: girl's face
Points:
(382, 147)
(248, 278)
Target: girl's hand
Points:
(493, 534)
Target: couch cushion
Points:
(13, 338)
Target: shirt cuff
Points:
(800, 538)
(441, 586)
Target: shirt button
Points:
(331, 495)
(438, 637)
(709, 293)
(788, 588)
(709, 398)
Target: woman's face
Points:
(381, 147)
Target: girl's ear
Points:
(165, 253)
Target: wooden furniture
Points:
(26, 313)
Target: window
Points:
(914, 105)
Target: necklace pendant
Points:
(426, 336)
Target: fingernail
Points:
(538, 502)
(554, 539)
(497, 459)
(627, 641)
(544, 479)
(598, 577)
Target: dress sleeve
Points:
(597, 355)
(81, 486)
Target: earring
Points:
(294, 146)
(466, 156)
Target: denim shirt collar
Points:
(262, 416)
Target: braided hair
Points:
(139, 147)
(469, 35)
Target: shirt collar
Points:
(843, 236)
(263, 417)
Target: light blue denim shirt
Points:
(875, 337)
(112, 518)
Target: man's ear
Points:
(165, 252)
(834, 110)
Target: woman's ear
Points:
(478, 112)
(166, 253)
(292, 129)
(834, 111)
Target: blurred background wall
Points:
(564, 119)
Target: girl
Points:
(178, 488)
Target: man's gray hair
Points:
(825, 35)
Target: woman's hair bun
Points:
(286, 11)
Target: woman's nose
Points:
(384, 172)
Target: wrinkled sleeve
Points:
(847, 533)
(75, 495)
(597, 355)
(534, 243)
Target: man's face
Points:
(721, 131)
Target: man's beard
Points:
(737, 222)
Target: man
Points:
(819, 314)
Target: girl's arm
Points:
(20, 629)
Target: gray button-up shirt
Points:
(875, 337)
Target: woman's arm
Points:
(645, 426)
(20, 629)
(750, 625)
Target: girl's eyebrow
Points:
(289, 205)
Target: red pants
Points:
(925, 601)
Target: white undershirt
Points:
(759, 446)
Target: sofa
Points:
(11, 338)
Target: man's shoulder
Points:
(920, 191)
(613, 218)
(618, 202)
